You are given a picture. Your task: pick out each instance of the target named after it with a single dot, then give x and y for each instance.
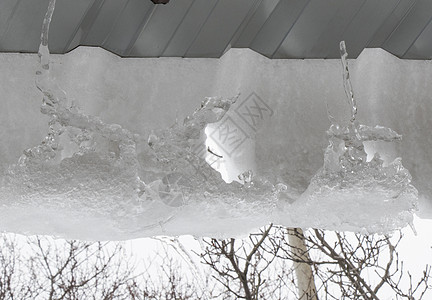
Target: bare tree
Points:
(79, 270)
(63, 270)
(173, 277)
(323, 264)
(42, 268)
(11, 277)
(267, 265)
(241, 265)
(304, 275)
(355, 266)
(167, 282)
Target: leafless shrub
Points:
(11, 277)
(170, 279)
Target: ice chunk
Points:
(120, 184)
(354, 193)
(349, 192)
(92, 179)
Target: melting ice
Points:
(359, 194)
(92, 180)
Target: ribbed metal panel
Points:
(207, 28)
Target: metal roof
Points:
(207, 28)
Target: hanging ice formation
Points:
(92, 180)
(87, 175)
(369, 194)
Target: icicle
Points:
(411, 224)
(330, 116)
(347, 81)
(43, 48)
(50, 145)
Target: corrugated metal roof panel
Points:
(22, 29)
(7, 12)
(197, 28)
(391, 22)
(328, 43)
(189, 28)
(409, 28)
(161, 26)
(98, 21)
(422, 47)
(366, 23)
(128, 26)
(68, 18)
(311, 24)
(278, 25)
(218, 30)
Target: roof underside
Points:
(207, 28)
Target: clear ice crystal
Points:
(347, 81)
(87, 167)
(358, 193)
(89, 175)
(381, 197)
